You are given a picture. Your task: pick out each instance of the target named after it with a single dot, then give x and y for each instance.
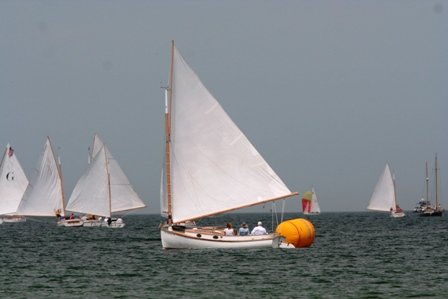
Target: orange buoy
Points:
(298, 232)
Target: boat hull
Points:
(197, 238)
(397, 214)
(13, 219)
(430, 213)
(70, 223)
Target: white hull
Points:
(13, 219)
(311, 213)
(397, 214)
(102, 222)
(92, 223)
(70, 223)
(197, 238)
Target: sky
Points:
(327, 91)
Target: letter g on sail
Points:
(10, 176)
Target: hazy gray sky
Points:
(327, 91)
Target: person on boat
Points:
(228, 231)
(259, 229)
(109, 221)
(244, 230)
(72, 216)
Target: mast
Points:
(427, 181)
(59, 167)
(395, 192)
(168, 103)
(108, 182)
(437, 190)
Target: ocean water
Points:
(355, 255)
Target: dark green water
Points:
(355, 255)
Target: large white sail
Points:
(214, 167)
(104, 175)
(123, 195)
(91, 193)
(44, 195)
(13, 182)
(383, 197)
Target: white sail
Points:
(44, 195)
(383, 197)
(123, 196)
(104, 176)
(91, 193)
(214, 167)
(96, 145)
(315, 209)
(13, 182)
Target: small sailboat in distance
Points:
(384, 195)
(426, 209)
(310, 205)
(103, 190)
(45, 193)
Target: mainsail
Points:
(44, 195)
(213, 166)
(383, 197)
(13, 182)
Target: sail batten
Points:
(213, 166)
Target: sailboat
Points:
(310, 206)
(13, 183)
(45, 193)
(103, 190)
(384, 195)
(210, 167)
(427, 209)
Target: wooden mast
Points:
(395, 192)
(168, 104)
(427, 181)
(437, 189)
(108, 181)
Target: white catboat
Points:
(210, 167)
(310, 205)
(103, 190)
(384, 195)
(13, 183)
(45, 193)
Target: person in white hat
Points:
(259, 229)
